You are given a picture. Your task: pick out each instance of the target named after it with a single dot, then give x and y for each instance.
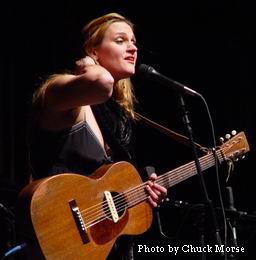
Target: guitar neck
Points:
(138, 194)
(188, 170)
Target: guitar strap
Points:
(170, 133)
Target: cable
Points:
(6, 211)
(217, 176)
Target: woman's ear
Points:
(94, 55)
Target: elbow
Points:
(96, 85)
(105, 84)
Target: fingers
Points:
(88, 60)
(83, 63)
(156, 192)
(155, 196)
(152, 202)
(153, 177)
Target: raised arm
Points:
(93, 85)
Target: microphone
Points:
(148, 72)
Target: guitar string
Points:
(133, 200)
(135, 188)
(128, 194)
(160, 180)
(140, 197)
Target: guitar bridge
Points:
(79, 221)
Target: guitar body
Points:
(51, 230)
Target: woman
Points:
(85, 119)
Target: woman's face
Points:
(118, 52)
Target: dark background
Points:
(207, 45)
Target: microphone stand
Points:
(208, 202)
(231, 220)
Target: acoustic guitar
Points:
(71, 216)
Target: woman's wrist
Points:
(83, 63)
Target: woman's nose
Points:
(132, 47)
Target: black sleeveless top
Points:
(77, 150)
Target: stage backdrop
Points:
(208, 46)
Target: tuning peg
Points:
(233, 132)
(222, 140)
(227, 136)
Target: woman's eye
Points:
(119, 40)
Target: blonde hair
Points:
(38, 99)
(93, 34)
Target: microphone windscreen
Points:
(144, 70)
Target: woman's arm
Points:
(93, 85)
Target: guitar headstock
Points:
(235, 147)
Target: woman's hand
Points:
(81, 64)
(157, 193)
